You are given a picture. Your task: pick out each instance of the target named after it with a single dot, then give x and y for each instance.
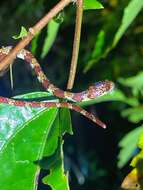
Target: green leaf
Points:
(134, 115)
(97, 51)
(99, 45)
(128, 144)
(57, 179)
(23, 136)
(140, 143)
(34, 43)
(65, 121)
(22, 33)
(134, 82)
(130, 13)
(137, 161)
(38, 133)
(52, 30)
(50, 154)
(53, 154)
(92, 4)
(33, 95)
(38, 96)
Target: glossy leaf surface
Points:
(23, 137)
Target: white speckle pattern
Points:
(98, 90)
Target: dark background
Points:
(91, 154)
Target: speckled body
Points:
(92, 92)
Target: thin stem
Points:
(76, 44)
(11, 76)
(32, 32)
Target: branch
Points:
(76, 44)
(32, 32)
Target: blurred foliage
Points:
(111, 48)
(90, 4)
(128, 151)
(134, 180)
(52, 31)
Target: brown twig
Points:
(32, 32)
(76, 44)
